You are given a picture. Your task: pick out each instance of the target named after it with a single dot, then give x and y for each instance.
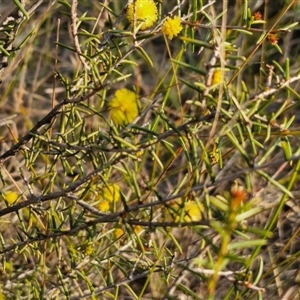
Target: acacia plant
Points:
(149, 149)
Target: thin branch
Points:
(271, 91)
(115, 217)
(75, 35)
(11, 24)
(48, 119)
(244, 28)
(231, 276)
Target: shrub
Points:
(149, 150)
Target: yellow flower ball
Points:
(10, 197)
(193, 211)
(111, 193)
(137, 229)
(104, 206)
(118, 232)
(143, 11)
(187, 211)
(87, 248)
(123, 108)
(171, 27)
(217, 77)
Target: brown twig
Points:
(11, 24)
(244, 28)
(48, 119)
(75, 35)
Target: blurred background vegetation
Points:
(197, 197)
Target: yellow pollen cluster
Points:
(143, 13)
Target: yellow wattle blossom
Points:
(109, 195)
(187, 211)
(193, 211)
(87, 248)
(143, 11)
(217, 77)
(123, 108)
(171, 27)
(118, 232)
(104, 206)
(10, 197)
(137, 229)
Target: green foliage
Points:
(149, 164)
